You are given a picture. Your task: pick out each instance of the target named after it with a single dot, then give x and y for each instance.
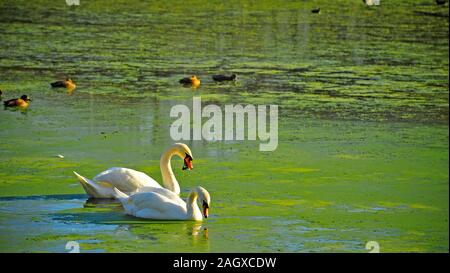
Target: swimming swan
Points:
(165, 205)
(130, 181)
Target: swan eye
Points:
(205, 205)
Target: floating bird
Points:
(67, 83)
(23, 101)
(192, 81)
(441, 2)
(166, 205)
(316, 10)
(130, 181)
(222, 78)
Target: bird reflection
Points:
(197, 230)
(101, 202)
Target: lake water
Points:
(363, 123)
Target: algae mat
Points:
(363, 124)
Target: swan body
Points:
(131, 181)
(127, 180)
(163, 204)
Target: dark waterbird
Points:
(222, 78)
(192, 81)
(441, 2)
(317, 10)
(23, 101)
(67, 83)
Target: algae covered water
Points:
(362, 149)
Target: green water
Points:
(363, 124)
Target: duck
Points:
(23, 101)
(192, 81)
(316, 10)
(156, 206)
(131, 181)
(221, 78)
(441, 2)
(67, 83)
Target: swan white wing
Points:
(158, 215)
(152, 199)
(126, 180)
(164, 192)
(152, 205)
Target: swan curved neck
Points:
(169, 180)
(193, 212)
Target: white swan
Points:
(165, 205)
(130, 181)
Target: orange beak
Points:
(187, 163)
(205, 211)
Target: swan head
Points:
(205, 199)
(183, 151)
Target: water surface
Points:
(363, 126)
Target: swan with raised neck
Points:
(130, 181)
(169, 180)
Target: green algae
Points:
(363, 133)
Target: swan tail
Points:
(93, 189)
